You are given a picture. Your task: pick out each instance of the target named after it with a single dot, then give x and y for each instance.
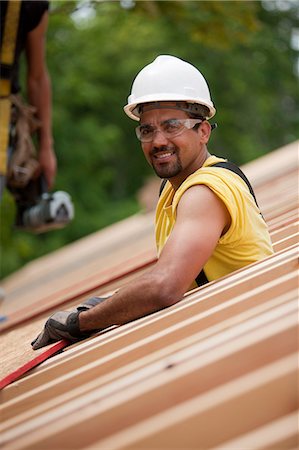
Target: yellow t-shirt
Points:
(247, 240)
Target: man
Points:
(30, 38)
(206, 216)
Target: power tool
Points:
(38, 210)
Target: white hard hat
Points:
(169, 78)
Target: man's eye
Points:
(171, 125)
(146, 130)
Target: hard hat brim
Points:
(131, 106)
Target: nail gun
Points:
(38, 210)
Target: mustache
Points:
(163, 148)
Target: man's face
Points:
(177, 157)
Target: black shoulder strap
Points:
(234, 168)
(162, 185)
(201, 279)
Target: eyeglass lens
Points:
(170, 128)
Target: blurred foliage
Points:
(94, 51)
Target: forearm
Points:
(140, 298)
(40, 96)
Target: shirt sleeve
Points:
(33, 11)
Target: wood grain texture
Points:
(56, 348)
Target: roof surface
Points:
(217, 370)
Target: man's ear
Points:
(205, 131)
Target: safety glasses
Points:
(170, 128)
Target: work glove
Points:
(65, 325)
(61, 325)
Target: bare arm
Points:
(201, 219)
(39, 95)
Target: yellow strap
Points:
(10, 31)
(5, 106)
(7, 57)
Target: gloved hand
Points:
(65, 325)
(61, 325)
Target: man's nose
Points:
(159, 138)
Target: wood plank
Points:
(283, 220)
(60, 298)
(206, 421)
(104, 369)
(199, 300)
(137, 399)
(33, 363)
(286, 242)
(273, 164)
(204, 338)
(285, 231)
(281, 434)
(219, 291)
(101, 243)
(92, 260)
